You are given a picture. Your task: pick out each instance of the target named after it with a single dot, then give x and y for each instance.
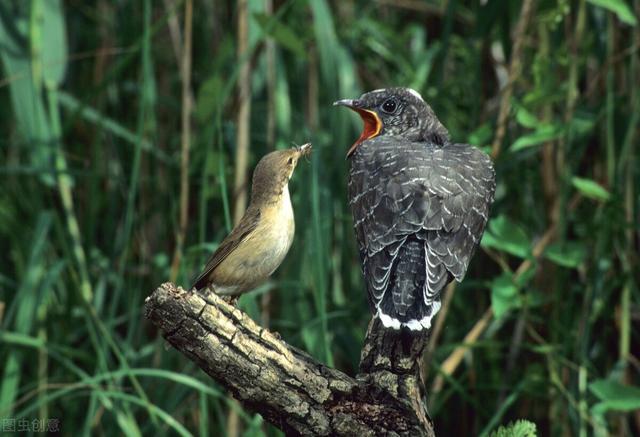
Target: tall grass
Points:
(90, 202)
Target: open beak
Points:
(372, 123)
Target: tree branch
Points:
(288, 387)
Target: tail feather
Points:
(403, 303)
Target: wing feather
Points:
(247, 225)
(439, 195)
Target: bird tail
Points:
(406, 303)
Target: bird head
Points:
(396, 111)
(274, 170)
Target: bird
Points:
(420, 204)
(258, 244)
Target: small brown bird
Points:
(257, 245)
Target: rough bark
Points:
(288, 387)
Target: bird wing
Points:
(413, 197)
(247, 225)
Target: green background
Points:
(90, 151)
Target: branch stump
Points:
(288, 387)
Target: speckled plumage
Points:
(420, 207)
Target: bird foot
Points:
(231, 300)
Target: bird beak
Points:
(372, 123)
(349, 103)
(305, 149)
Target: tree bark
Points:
(288, 387)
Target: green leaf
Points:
(53, 45)
(282, 34)
(481, 136)
(615, 396)
(520, 428)
(582, 124)
(526, 118)
(590, 188)
(209, 97)
(569, 254)
(618, 7)
(544, 133)
(26, 94)
(127, 424)
(504, 295)
(505, 235)
(25, 305)
(90, 114)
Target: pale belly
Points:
(260, 254)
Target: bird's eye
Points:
(290, 161)
(389, 106)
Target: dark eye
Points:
(290, 161)
(389, 106)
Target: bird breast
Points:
(283, 228)
(261, 253)
(275, 234)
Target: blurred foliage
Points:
(520, 428)
(89, 201)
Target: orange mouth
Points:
(372, 127)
